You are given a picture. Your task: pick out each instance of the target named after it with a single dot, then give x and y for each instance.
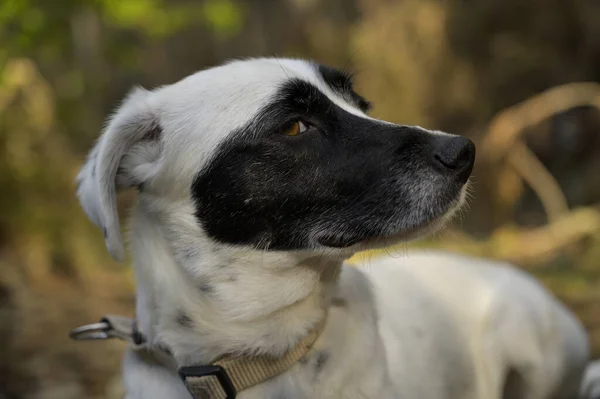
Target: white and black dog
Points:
(256, 180)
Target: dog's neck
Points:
(203, 300)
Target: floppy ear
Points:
(126, 155)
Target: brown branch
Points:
(531, 169)
(502, 140)
(506, 127)
(537, 245)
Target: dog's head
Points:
(275, 154)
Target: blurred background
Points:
(516, 76)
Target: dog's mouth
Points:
(370, 241)
(365, 241)
(339, 241)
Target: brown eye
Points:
(295, 129)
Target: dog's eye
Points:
(295, 128)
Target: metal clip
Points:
(99, 330)
(111, 326)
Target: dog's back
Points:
(521, 341)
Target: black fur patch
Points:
(341, 82)
(339, 303)
(184, 320)
(321, 361)
(206, 287)
(346, 179)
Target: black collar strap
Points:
(222, 379)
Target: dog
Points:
(257, 179)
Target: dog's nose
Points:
(455, 154)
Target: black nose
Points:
(455, 154)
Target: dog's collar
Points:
(222, 379)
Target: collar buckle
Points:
(217, 371)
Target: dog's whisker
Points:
(281, 66)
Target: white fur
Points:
(425, 326)
(590, 388)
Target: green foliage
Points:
(148, 16)
(224, 16)
(27, 25)
(156, 19)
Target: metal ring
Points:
(91, 331)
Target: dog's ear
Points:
(126, 155)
